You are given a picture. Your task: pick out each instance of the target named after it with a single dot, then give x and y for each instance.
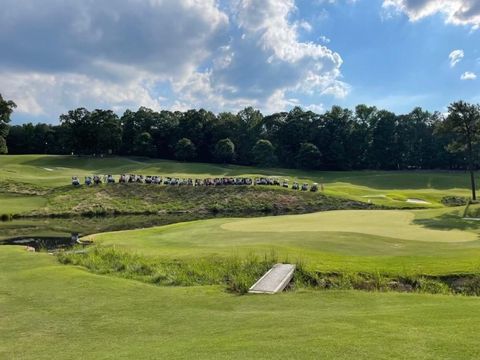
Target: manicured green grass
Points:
(379, 187)
(15, 204)
(434, 242)
(51, 311)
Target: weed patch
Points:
(236, 273)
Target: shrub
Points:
(6, 217)
(454, 201)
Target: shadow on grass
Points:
(448, 222)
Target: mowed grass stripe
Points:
(51, 311)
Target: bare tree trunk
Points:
(471, 168)
(472, 180)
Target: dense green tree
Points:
(164, 133)
(97, 132)
(224, 151)
(332, 137)
(143, 144)
(185, 150)
(383, 152)
(6, 110)
(366, 138)
(79, 131)
(248, 131)
(197, 125)
(264, 153)
(463, 124)
(296, 128)
(135, 123)
(308, 156)
(108, 133)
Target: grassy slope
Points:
(383, 188)
(50, 311)
(437, 242)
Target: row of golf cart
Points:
(158, 180)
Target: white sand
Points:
(417, 201)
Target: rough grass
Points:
(237, 274)
(143, 198)
(234, 272)
(51, 311)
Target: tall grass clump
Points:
(234, 272)
(237, 273)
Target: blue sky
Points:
(228, 54)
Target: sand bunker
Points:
(417, 201)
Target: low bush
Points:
(454, 201)
(6, 217)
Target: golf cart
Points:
(97, 180)
(75, 181)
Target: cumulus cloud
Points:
(267, 61)
(468, 75)
(51, 94)
(455, 57)
(69, 53)
(457, 12)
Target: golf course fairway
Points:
(51, 311)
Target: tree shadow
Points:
(448, 222)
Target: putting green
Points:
(420, 241)
(386, 223)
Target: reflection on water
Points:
(58, 232)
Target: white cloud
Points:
(264, 63)
(316, 108)
(455, 57)
(48, 94)
(198, 53)
(73, 53)
(324, 39)
(468, 75)
(457, 12)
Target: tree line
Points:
(339, 139)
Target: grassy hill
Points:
(41, 183)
